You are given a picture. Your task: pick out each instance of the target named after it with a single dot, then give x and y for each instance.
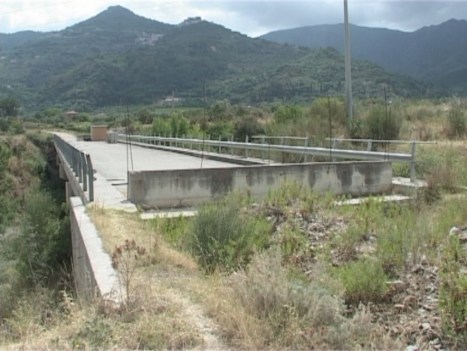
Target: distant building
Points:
(171, 100)
(71, 114)
(191, 20)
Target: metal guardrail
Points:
(370, 142)
(301, 150)
(80, 163)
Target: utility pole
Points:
(348, 74)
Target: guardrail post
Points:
(231, 149)
(220, 139)
(80, 167)
(75, 162)
(413, 173)
(90, 178)
(306, 144)
(334, 144)
(84, 171)
(369, 145)
(282, 153)
(262, 143)
(246, 149)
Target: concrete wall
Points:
(92, 267)
(98, 133)
(181, 188)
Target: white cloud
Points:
(249, 17)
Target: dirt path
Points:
(177, 287)
(196, 317)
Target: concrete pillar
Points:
(68, 192)
(61, 171)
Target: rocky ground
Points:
(410, 310)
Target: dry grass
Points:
(159, 316)
(114, 227)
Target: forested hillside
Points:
(435, 54)
(118, 57)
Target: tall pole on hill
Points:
(348, 74)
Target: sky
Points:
(252, 18)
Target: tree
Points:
(9, 107)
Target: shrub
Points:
(392, 249)
(442, 169)
(453, 291)
(125, 259)
(95, 333)
(363, 281)
(247, 126)
(44, 242)
(286, 303)
(287, 114)
(456, 123)
(321, 108)
(161, 126)
(225, 235)
(381, 125)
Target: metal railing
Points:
(80, 163)
(333, 153)
(370, 142)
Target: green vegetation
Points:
(225, 235)
(364, 281)
(453, 291)
(35, 242)
(431, 58)
(120, 58)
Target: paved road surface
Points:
(110, 161)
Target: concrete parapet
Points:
(185, 188)
(92, 267)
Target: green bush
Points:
(287, 114)
(44, 242)
(456, 123)
(323, 108)
(443, 169)
(247, 126)
(453, 291)
(161, 126)
(286, 302)
(225, 234)
(381, 125)
(363, 281)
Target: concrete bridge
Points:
(154, 176)
(121, 176)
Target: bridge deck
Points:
(110, 161)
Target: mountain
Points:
(435, 54)
(118, 57)
(8, 41)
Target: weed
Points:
(124, 259)
(382, 124)
(95, 333)
(225, 235)
(456, 123)
(453, 291)
(293, 244)
(363, 280)
(288, 305)
(345, 244)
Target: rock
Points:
(417, 269)
(426, 326)
(412, 348)
(454, 231)
(427, 307)
(410, 301)
(463, 237)
(399, 306)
